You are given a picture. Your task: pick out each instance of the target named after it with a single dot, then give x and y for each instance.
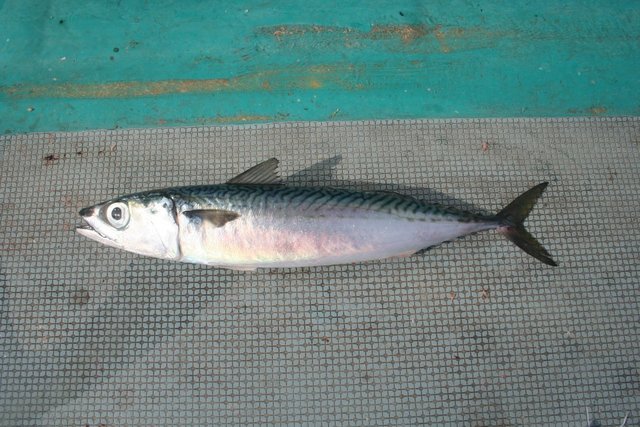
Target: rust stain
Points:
(327, 69)
(307, 77)
(447, 38)
(441, 36)
(597, 110)
(242, 118)
(129, 89)
(281, 31)
(405, 33)
(315, 84)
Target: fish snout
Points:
(87, 212)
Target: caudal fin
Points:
(512, 218)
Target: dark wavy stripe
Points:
(238, 196)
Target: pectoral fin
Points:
(215, 217)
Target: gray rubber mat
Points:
(474, 332)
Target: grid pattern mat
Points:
(474, 332)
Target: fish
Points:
(255, 221)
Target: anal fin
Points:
(403, 254)
(239, 268)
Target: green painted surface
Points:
(67, 65)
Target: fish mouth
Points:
(88, 231)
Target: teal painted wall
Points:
(68, 65)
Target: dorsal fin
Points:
(262, 173)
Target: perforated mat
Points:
(474, 332)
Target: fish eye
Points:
(118, 215)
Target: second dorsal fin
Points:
(262, 173)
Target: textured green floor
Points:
(67, 65)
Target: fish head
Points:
(143, 223)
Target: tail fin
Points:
(512, 218)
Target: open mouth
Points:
(90, 232)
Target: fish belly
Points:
(253, 241)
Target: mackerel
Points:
(254, 221)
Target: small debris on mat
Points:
(596, 423)
(112, 148)
(50, 159)
(67, 201)
(80, 297)
(452, 296)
